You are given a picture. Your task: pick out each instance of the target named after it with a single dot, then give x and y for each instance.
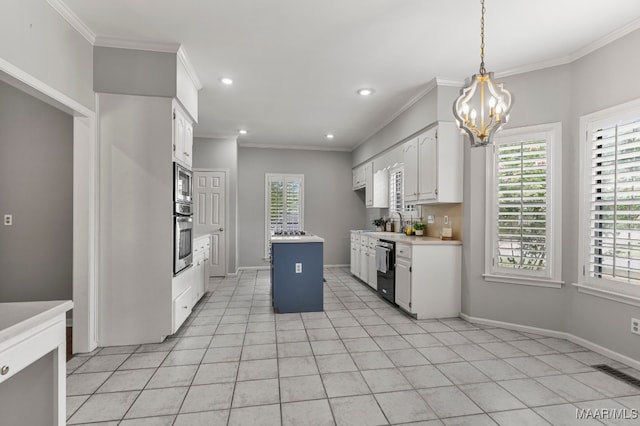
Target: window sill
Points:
(535, 282)
(608, 294)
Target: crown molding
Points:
(216, 135)
(432, 84)
(533, 67)
(133, 44)
(191, 71)
(584, 51)
(609, 38)
(449, 83)
(73, 20)
(295, 147)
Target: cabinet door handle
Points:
(5, 370)
(186, 153)
(185, 307)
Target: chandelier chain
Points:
(482, 69)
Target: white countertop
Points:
(296, 239)
(409, 239)
(18, 317)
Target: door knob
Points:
(221, 229)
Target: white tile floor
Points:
(361, 362)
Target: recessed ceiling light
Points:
(242, 131)
(226, 80)
(365, 91)
(329, 136)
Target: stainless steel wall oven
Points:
(182, 218)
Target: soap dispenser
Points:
(447, 232)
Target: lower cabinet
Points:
(372, 276)
(189, 286)
(403, 283)
(355, 254)
(428, 280)
(363, 273)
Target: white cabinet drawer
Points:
(182, 307)
(18, 356)
(372, 243)
(403, 250)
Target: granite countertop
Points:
(410, 239)
(18, 317)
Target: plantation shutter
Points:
(614, 228)
(293, 205)
(276, 203)
(521, 241)
(285, 202)
(396, 191)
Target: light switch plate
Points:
(8, 220)
(298, 268)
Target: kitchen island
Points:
(33, 362)
(296, 273)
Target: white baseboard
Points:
(559, 335)
(253, 268)
(337, 266)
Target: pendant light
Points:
(483, 105)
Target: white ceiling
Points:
(298, 63)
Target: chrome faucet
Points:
(401, 221)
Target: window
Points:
(284, 204)
(611, 200)
(523, 210)
(396, 193)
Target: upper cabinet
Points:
(182, 137)
(433, 166)
(359, 177)
(375, 184)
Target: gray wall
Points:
(36, 186)
(564, 93)
(36, 39)
(222, 154)
(540, 97)
(134, 72)
(331, 207)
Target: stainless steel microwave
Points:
(182, 184)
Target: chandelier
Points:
(483, 105)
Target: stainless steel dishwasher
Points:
(386, 269)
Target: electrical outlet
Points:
(298, 268)
(635, 326)
(8, 219)
(431, 218)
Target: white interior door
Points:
(210, 198)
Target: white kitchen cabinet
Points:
(182, 137)
(403, 283)
(33, 361)
(428, 279)
(359, 179)
(355, 253)
(372, 277)
(433, 166)
(410, 173)
(364, 258)
(377, 188)
(201, 253)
